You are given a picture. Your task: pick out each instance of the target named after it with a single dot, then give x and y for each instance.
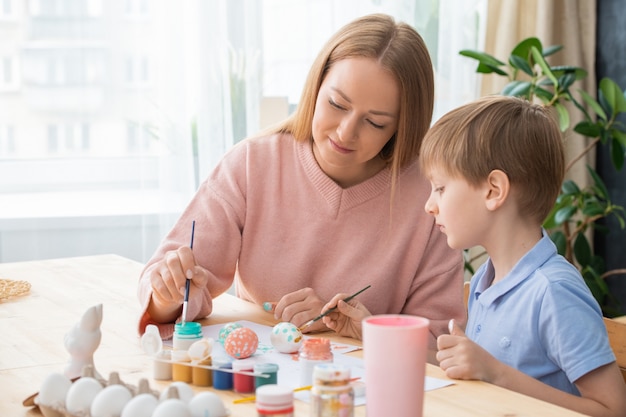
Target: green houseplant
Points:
(577, 209)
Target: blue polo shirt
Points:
(541, 318)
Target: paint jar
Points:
(274, 401)
(163, 365)
(243, 383)
(202, 377)
(270, 369)
(185, 334)
(313, 351)
(181, 366)
(222, 380)
(332, 395)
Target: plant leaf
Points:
(543, 65)
(619, 135)
(484, 68)
(564, 214)
(599, 184)
(482, 57)
(549, 50)
(517, 89)
(582, 250)
(613, 94)
(521, 64)
(523, 48)
(563, 116)
(587, 128)
(569, 187)
(558, 70)
(593, 104)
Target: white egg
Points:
(207, 404)
(54, 390)
(185, 392)
(81, 394)
(172, 407)
(110, 401)
(286, 338)
(142, 405)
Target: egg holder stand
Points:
(89, 371)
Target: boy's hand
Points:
(346, 319)
(461, 358)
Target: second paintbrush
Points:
(330, 310)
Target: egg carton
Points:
(57, 409)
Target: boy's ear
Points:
(498, 188)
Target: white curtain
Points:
(112, 112)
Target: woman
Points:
(328, 201)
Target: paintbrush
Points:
(188, 281)
(330, 310)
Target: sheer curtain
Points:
(113, 112)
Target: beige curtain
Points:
(570, 23)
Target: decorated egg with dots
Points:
(241, 343)
(226, 330)
(286, 338)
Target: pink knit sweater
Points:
(270, 219)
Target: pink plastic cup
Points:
(394, 351)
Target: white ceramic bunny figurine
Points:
(82, 341)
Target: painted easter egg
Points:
(286, 338)
(241, 343)
(226, 330)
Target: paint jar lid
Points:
(189, 328)
(330, 372)
(243, 365)
(272, 395)
(265, 367)
(222, 362)
(180, 356)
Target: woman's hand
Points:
(346, 319)
(168, 279)
(299, 307)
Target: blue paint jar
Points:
(222, 380)
(270, 369)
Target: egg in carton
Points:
(88, 395)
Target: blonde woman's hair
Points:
(400, 50)
(507, 133)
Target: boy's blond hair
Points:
(507, 133)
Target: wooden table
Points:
(33, 327)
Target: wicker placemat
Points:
(11, 288)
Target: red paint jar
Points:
(243, 383)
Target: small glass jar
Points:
(270, 369)
(186, 334)
(274, 401)
(332, 395)
(313, 351)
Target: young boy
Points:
(496, 166)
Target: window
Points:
(114, 111)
